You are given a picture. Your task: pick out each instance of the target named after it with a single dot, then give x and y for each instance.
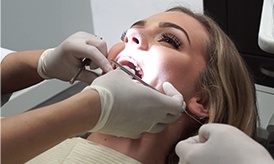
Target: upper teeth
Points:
(129, 59)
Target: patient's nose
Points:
(137, 39)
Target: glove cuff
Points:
(107, 100)
(41, 68)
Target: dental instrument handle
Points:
(85, 62)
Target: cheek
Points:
(115, 50)
(180, 74)
(184, 77)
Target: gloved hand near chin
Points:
(64, 61)
(221, 144)
(128, 109)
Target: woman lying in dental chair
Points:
(192, 53)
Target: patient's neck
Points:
(147, 149)
(150, 148)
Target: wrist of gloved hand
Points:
(41, 68)
(106, 100)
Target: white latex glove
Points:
(64, 61)
(222, 144)
(129, 108)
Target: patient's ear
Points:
(198, 107)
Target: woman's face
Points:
(164, 47)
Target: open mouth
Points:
(129, 62)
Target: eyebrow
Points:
(139, 23)
(164, 25)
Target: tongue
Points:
(130, 65)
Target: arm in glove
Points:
(224, 144)
(129, 109)
(63, 61)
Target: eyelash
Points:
(122, 37)
(166, 37)
(171, 39)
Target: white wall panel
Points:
(31, 24)
(112, 18)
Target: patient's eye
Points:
(122, 37)
(171, 39)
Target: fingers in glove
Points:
(84, 38)
(83, 50)
(87, 76)
(97, 58)
(177, 100)
(171, 91)
(204, 133)
(185, 146)
(100, 47)
(172, 107)
(86, 45)
(99, 44)
(208, 131)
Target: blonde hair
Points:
(225, 83)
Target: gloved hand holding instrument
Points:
(64, 61)
(128, 109)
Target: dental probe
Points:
(85, 62)
(132, 74)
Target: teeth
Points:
(136, 70)
(127, 59)
(132, 71)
